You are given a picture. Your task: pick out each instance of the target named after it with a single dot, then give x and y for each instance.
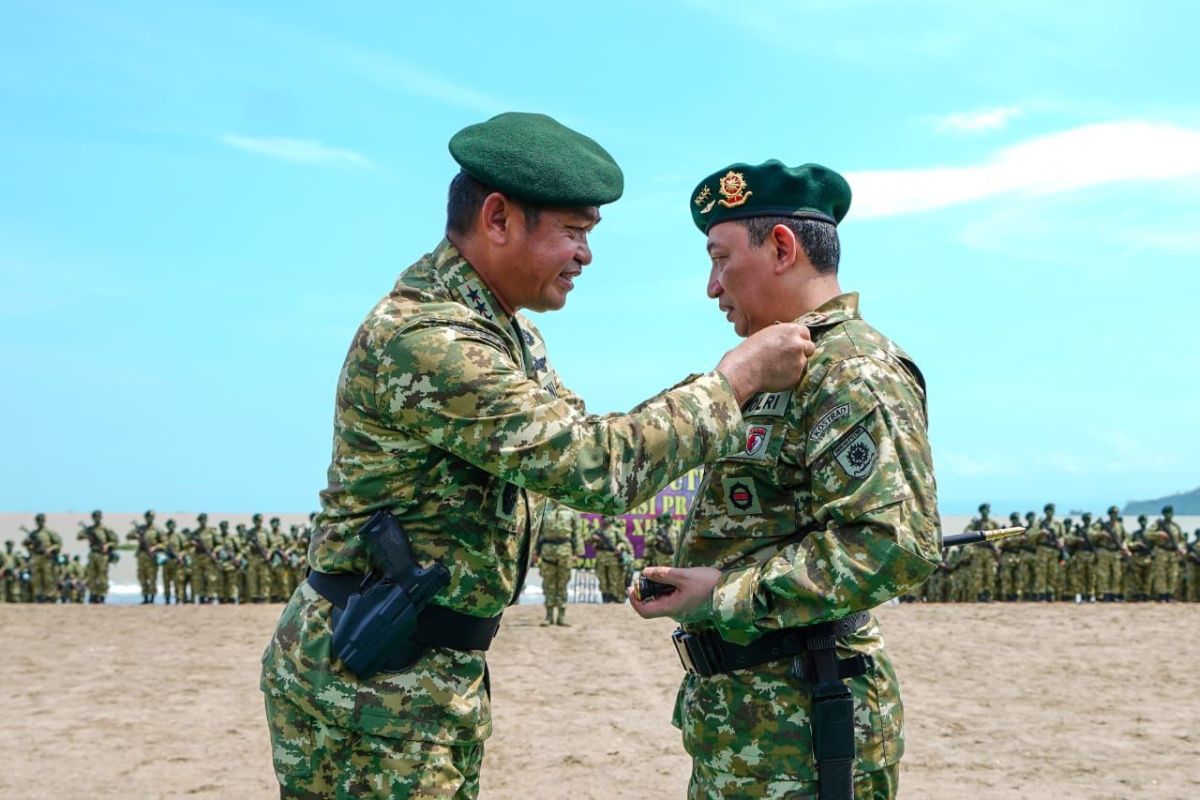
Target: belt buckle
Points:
(678, 638)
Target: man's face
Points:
(740, 277)
(549, 258)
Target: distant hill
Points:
(1186, 503)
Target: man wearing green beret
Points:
(829, 510)
(450, 418)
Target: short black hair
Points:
(466, 197)
(818, 239)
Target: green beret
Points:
(770, 189)
(539, 160)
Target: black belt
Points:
(815, 661)
(708, 654)
(555, 541)
(437, 626)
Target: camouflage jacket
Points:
(450, 415)
(560, 537)
(100, 538)
(829, 509)
(43, 542)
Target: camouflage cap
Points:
(985, 507)
(256, 518)
(1142, 518)
(535, 158)
(770, 189)
(1048, 507)
(202, 516)
(96, 514)
(1114, 510)
(149, 513)
(1168, 509)
(39, 518)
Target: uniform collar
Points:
(832, 312)
(451, 275)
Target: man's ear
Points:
(496, 216)
(786, 248)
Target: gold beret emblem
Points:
(733, 189)
(704, 195)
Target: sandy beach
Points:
(1003, 701)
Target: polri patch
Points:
(824, 422)
(767, 404)
(741, 496)
(857, 454)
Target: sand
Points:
(1002, 702)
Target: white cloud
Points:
(1090, 155)
(301, 151)
(988, 119)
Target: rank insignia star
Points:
(734, 190)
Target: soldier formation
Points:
(195, 565)
(1093, 560)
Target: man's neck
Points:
(815, 292)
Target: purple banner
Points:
(675, 499)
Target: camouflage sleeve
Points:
(467, 395)
(876, 531)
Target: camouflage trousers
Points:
(610, 574)
(206, 580)
(147, 574)
(711, 784)
(1082, 573)
(1108, 572)
(1043, 570)
(97, 574)
(173, 581)
(315, 761)
(556, 574)
(1163, 572)
(258, 579)
(45, 582)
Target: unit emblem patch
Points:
(857, 454)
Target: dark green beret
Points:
(770, 189)
(539, 160)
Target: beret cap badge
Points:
(734, 190)
(705, 195)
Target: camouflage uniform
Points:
(150, 541)
(450, 415)
(983, 561)
(203, 545)
(613, 552)
(559, 544)
(228, 555)
(259, 544)
(277, 563)
(658, 550)
(1110, 551)
(830, 509)
(73, 583)
(1137, 573)
(1166, 538)
(1029, 557)
(1082, 545)
(102, 544)
(1047, 535)
(43, 545)
(174, 579)
(1012, 554)
(8, 574)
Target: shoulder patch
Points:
(831, 417)
(857, 454)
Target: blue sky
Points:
(201, 201)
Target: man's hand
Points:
(772, 360)
(689, 602)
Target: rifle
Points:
(662, 542)
(604, 540)
(252, 540)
